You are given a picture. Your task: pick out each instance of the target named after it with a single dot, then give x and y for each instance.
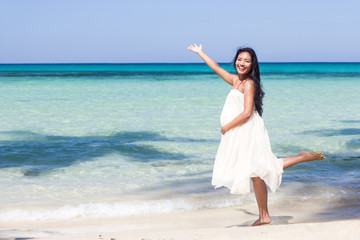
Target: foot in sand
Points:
(261, 221)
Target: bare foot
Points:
(311, 156)
(260, 222)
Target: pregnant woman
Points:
(244, 153)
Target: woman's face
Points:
(243, 63)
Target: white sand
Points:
(228, 223)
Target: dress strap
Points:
(239, 85)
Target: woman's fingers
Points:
(195, 48)
(191, 48)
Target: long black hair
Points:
(254, 74)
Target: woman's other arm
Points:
(249, 93)
(228, 77)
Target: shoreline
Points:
(224, 223)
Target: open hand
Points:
(195, 48)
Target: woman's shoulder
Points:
(248, 85)
(248, 82)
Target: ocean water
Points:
(90, 140)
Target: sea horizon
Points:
(34, 63)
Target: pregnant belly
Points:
(228, 114)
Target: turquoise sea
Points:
(89, 140)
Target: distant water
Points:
(125, 139)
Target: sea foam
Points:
(105, 209)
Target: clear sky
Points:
(118, 31)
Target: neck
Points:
(242, 77)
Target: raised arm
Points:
(228, 77)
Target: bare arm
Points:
(228, 77)
(249, 93)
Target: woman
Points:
(244, 154)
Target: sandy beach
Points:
(205, 224)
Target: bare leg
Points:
(261, 190)
(261, 199)
(302, 157)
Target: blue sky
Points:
(77, 31)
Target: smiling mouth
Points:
(241, 69)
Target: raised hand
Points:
(195, 48)
(228, 77)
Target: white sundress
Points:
(244, 152)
